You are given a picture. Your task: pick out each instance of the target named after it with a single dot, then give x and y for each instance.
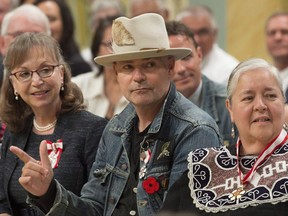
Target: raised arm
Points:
(36, 175)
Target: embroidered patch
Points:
(214, 180)
(122, 37)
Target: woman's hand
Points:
(36, 175)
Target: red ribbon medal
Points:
(54, 152)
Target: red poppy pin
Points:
(150, 185)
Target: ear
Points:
(2, 45)
(114, 69)
(229, 108)
(171, 64)
(13, 83)
(62, 72)
(199, 52)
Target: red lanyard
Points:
(264, 155)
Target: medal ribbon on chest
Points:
(263, 156)
(54, 152)
(145, 156)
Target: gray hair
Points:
(31, 12)
(98, 5)
(251, 64)
(198, 10)
(160, 3)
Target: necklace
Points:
(262, 157)
(44, 128)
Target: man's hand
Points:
(36, 175)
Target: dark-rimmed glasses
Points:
(26, 75)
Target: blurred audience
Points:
(277, 44)
(100, 88)
(138, 7)
(62, 28)
(100, 9)
(5, 7)
(217, 64)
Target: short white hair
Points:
(248, 65)
(198, 10)
(33, 14)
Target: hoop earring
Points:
(16, 96)
(232, 131)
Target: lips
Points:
(262, 119)
(39, 93)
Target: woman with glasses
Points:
(39, 102)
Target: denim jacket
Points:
(179, 127)
(213, 96)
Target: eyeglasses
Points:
(43, 72)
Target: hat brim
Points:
(108, 60)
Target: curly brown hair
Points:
(15, 113)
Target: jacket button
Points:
(124, 166)
(132, 212)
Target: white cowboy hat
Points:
(140, 37)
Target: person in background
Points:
(143, 150)
(39, 102)
(100, 88)
(217, 64)
(250, 179)
(5, 7)
(62, 28)
(100, 9)
(205, 93)
(276, 31)
(25, 18)
(138, 7)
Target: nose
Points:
(179, 68)
(138, 75)
(36, 79)
(260, 104)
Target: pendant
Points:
(237, 194)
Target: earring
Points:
(16, 96)
(232, 131)
(62, 87)
(285, 126)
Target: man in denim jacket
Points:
(202, 91)
(144, 149)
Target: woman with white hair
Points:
(251, 178)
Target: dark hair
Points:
(98, 37)
(14, 113)
(177, 28)
(67, 41)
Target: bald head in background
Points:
(138, 7)
(26, 18)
